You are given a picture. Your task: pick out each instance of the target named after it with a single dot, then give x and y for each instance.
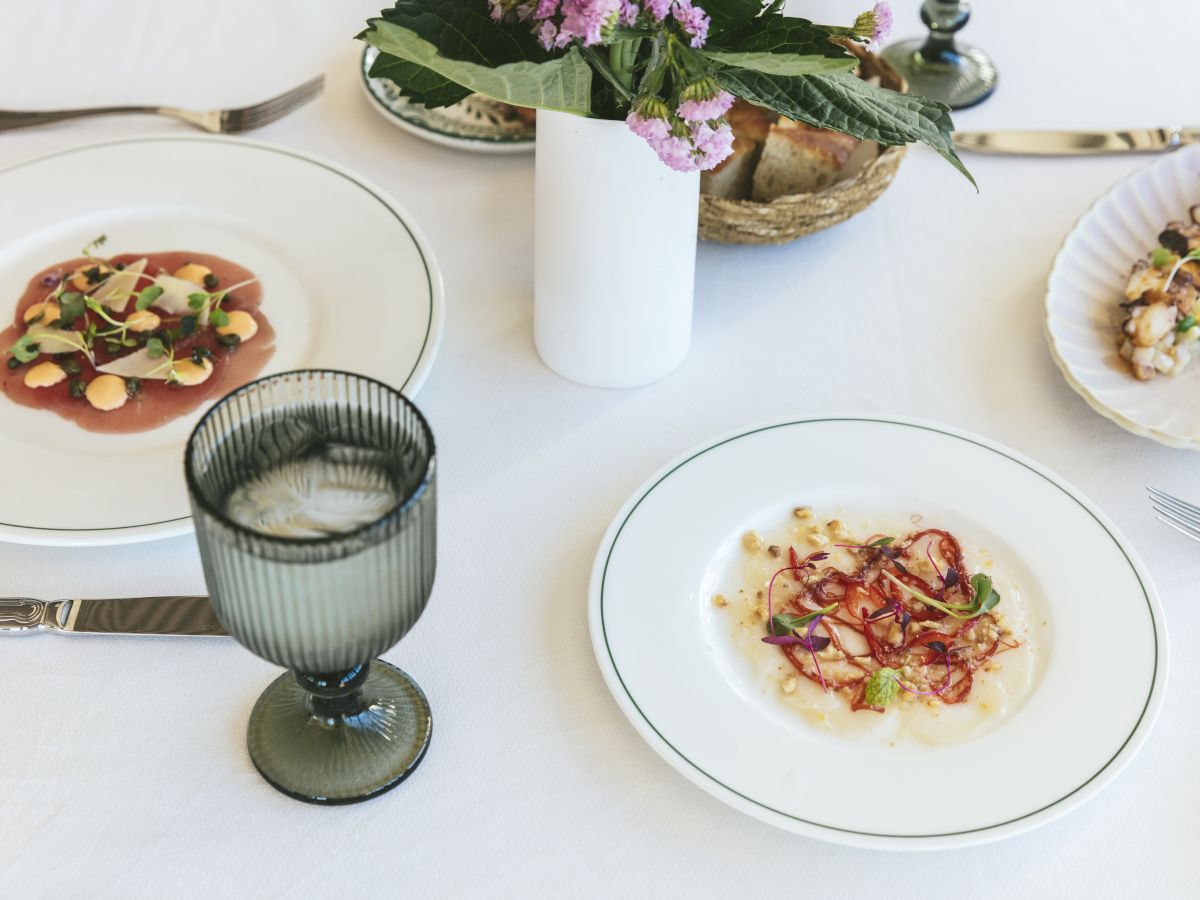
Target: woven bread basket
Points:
(787, 218)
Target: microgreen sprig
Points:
(985, 597)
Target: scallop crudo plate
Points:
(672, 660)
(1087, 283)
(348, 283)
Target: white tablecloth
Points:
(123, 770)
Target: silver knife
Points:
(137, 615)
(1076, 143)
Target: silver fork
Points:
(1180, 515)
(218, 121)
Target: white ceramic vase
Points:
(614, 254)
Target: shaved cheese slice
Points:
(139, 364)
(174, 298)
(57, 340)
(118, 287)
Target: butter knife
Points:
(1076, 143)
(137, 615)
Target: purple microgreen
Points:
(937, 647)
(782, 640)
(905, 618)
(818, 642)
(785, 623)
(890, 609)
(51, 279)
(929, 554)
(807, 564)
(951, 578)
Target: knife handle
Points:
(22, 614)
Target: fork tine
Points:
(1185, 530)
(1170, 498)
(1176, 516)
(260, 114)
(1178, 507)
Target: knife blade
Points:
(1075, 143)
(193, 616)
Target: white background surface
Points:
(123, 771)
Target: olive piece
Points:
(1174, 241)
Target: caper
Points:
(211, 281)
(71, 366)
(1174, 241)
(14, 363)
(77, 388)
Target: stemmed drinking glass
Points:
(939, 68)
(313, 495)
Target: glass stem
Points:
(943, 18)
(336, 695)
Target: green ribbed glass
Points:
(313, 495)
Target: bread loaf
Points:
(799, 159)
(733, 178)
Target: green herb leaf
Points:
(1161, 257)
(783, 623)
(147, 296)
(1185, 324)
(94, 244)
(197, 301)
(71, 305)
(845, 103)
(155, 348)
(986, 597)
(882, 542)
(562, 83)
(25, 349)
(219, 318)
(883, 687)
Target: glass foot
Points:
(339, 742)
(958, 78)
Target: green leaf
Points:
(731, 15)
(881, 542)
(147, 297)
(1185, 324)
(1161, 257)
(418, 83)
(848, 104)
(563, 83)
(25, 349)
(197, 301)
(155, 348)
(71, 305)
(782, 34)
(219, 318)
(883, 687)
(781, 63)
(986, 597)
(783, 623)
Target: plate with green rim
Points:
(275, 211)
(665, 649)
(477, 124)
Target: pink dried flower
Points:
(648, 128)
(587, 20)
(883, 23)
(546, 34)
(659, 8)
(713, 145)
(876, 25)
(707, 108)
(691, 19)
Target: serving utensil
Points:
(1076, 143)
(1184, 517)
(136, 615)
(217, 121)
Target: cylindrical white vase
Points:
(614, 254)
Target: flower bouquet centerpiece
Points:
(632, 98)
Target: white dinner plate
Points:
(348, 283)
(1087, 283)
(476, 124)
(666, 653)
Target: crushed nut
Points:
(773, 550)
(789, 685)
(719, 600)
(818, 540)
(751, 541)
(803, 512)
